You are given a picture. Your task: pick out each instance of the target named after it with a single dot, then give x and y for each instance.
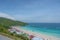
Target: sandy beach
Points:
(45, 37)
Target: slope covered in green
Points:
(9, 22)
(5, 24)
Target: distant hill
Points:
(9, 22)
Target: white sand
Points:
(45, 37)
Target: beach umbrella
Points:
(36, 38)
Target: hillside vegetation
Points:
(9, 22)
(5, 24)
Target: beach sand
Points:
(45, 37)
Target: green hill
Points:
(9, 22)
(6, 23)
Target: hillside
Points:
(6, 24)
(9, 22)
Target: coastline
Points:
(45, 37)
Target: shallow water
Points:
(52, 29)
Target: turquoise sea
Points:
(51, 29)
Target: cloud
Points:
(50, 18)
(6, 16)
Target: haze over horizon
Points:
(44, 11)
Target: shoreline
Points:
(43, 36)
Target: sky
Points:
(40, 11)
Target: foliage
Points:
(5, 25)
(8, 22)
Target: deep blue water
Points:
(45, 28)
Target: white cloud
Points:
(6, 16)
(49, 18)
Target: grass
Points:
(5, 32)
(5, 24)
(13, 37)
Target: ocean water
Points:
(51, 29)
